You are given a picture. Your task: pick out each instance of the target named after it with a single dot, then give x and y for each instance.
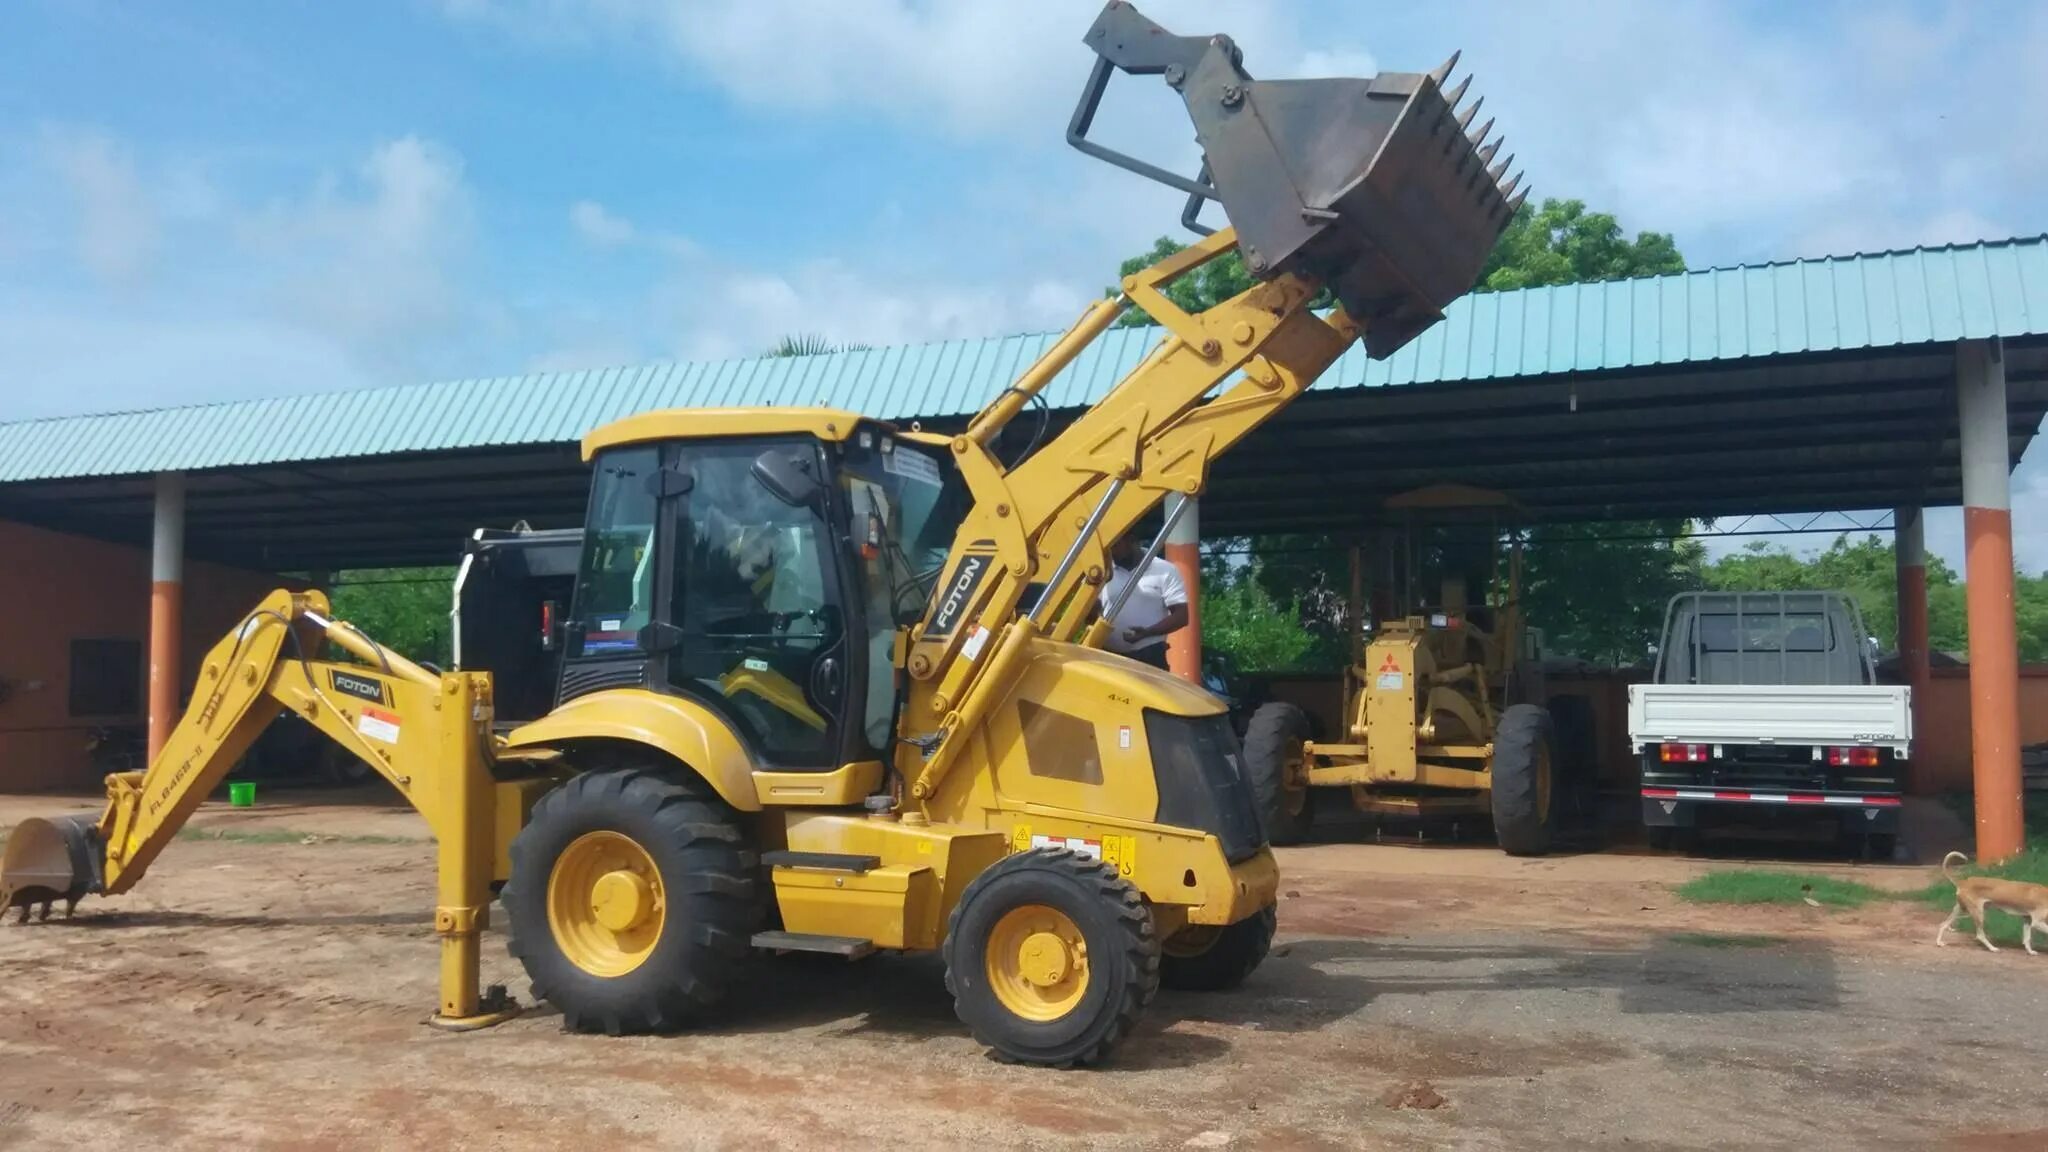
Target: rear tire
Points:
(694, 895)
(1051, 958)
(1523, 808)
(1221, 958)
(1273, 742)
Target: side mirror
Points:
(790, 475)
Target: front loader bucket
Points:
(49, 860)
(1372, 186)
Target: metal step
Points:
(822, 861)
(851, 947)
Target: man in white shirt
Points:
(1157, 607)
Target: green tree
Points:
(1598, 591)
(1562, 243)
(1865, 569)
(1198, 291)
(1557, 242)
(404, 609)
(810, 344)
(1240, 618)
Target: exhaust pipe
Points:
(1376, 187)
(48, 860)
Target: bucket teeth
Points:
(1501, 169)
(1515, 204)
(1480, 136)
(1465, 121)
(1443, 71)
(1486, 153)
(1452, 97)
(1508, 189)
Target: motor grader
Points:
(823, 683)
(1445, 713)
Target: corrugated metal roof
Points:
(1827, 305)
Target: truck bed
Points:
(1879, 715)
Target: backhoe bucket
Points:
(49, 860)
(1373, 186)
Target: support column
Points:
(1994, 636)
(1909, 539)
(166, 607)
(1184, 551)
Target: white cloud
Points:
(719, 314)
(598, 226)
(116, 218)
(1321, 62)
(370, 260)
(969, 69)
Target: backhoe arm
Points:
(1370, 188)
(427, 733)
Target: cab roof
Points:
(707, 423)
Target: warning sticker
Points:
(976, 638)
(1123, 737)
(1389, 678)
(378, 724)
(913, 466)
(1121, 851)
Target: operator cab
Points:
(760, 563)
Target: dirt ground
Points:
(258, 993)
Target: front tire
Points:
(1051, 958)
(1523, 814)
(1274, 743)
(631, 902)
(1204, 959)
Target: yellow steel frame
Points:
(1155, 433)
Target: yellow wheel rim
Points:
(1037, 962)
(606, 905)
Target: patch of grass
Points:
(1764, 886)
(282, 836)
(1723, 940)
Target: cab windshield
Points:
(906, 504)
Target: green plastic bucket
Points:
(242, 793)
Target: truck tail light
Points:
(1852, 757)
(1682, 753)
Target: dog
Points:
(1975, 893)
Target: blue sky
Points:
(213, 201)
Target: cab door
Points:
(755, 622)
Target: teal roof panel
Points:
(1833, 304)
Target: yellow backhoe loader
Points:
(825, 682)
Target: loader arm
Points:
(427, 733)
(1371, 188)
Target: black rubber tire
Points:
(1521, 744)
(707, 870)
(1276, 729)
(1234, 954)
(1123, 957)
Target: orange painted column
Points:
(1910, 546)
(1994, 631)
(1183, 550)
(166, 608)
